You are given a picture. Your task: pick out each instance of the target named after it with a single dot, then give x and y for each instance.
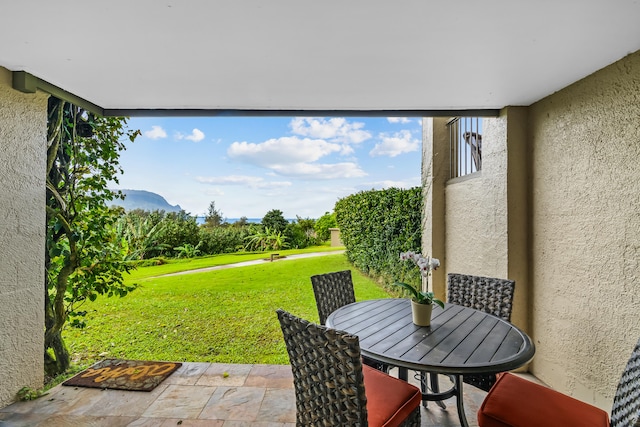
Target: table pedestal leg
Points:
(435, 387)
(457, 379)
(403, 374)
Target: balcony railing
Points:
(465, 142)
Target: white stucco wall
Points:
(23, 126)
(585, 231)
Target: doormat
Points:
(121, 374)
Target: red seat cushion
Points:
(389, 400)
(514, 401)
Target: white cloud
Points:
(196, 136)
(156, 132)
(321, 171)
(402, 120)
(281, 151)
(336, 129)
(395, 144)
(243, 180)
(295, 157)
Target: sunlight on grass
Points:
(175, 265)
(224, 316)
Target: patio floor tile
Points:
(180, 401)
(225, 374)
(197, 395)
(234, 403)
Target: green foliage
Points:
(301, 233)
(419, 296)
(178, 229)
(157, 233)
(275, 221)
(265, 239)
(323, 224)
(84, 257)
(243, 221)
(141, 230)
(28, 393)
(376, 226)
(188, 250)
(222, 240)
(214, 217)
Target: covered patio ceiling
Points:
(411, 57)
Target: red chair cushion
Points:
(514, 401)
(389, 400)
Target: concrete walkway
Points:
(254, 262)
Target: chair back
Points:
(486, 294)
(327, 373)
(626, 402)
(332, 291)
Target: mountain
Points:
(145, 200)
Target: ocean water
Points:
(200, 220)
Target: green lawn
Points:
(225, 316)
(175, 265)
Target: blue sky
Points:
(250, 165)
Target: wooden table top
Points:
(460, 340)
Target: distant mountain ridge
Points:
(145, 200)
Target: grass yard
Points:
(224, 316)
(175, 265)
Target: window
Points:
(465, 143)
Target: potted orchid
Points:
(421, 301)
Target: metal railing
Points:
(465, 144)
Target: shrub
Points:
(222, 240)
(300, 234)
(275, 221)
(375, 226)
(323, 224)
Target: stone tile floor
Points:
(196, 395)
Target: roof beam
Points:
(28, 83)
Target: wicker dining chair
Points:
(515, 401)
(486, 294)
(332, 291)
(334, 388)
(335, 290)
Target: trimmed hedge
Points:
(375, 226)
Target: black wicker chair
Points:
(486, 294)
(332, 291)
(504, 404)
(334, 388)
(335, 290)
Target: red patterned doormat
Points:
(121, 374)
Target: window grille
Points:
(465, 142)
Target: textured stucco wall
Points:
(476, 206)
(23, 124)
(435, 174)
(484, 224)
(585, 231)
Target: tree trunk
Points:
(58, 362)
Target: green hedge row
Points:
(375, 226)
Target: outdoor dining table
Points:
(459, 341)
